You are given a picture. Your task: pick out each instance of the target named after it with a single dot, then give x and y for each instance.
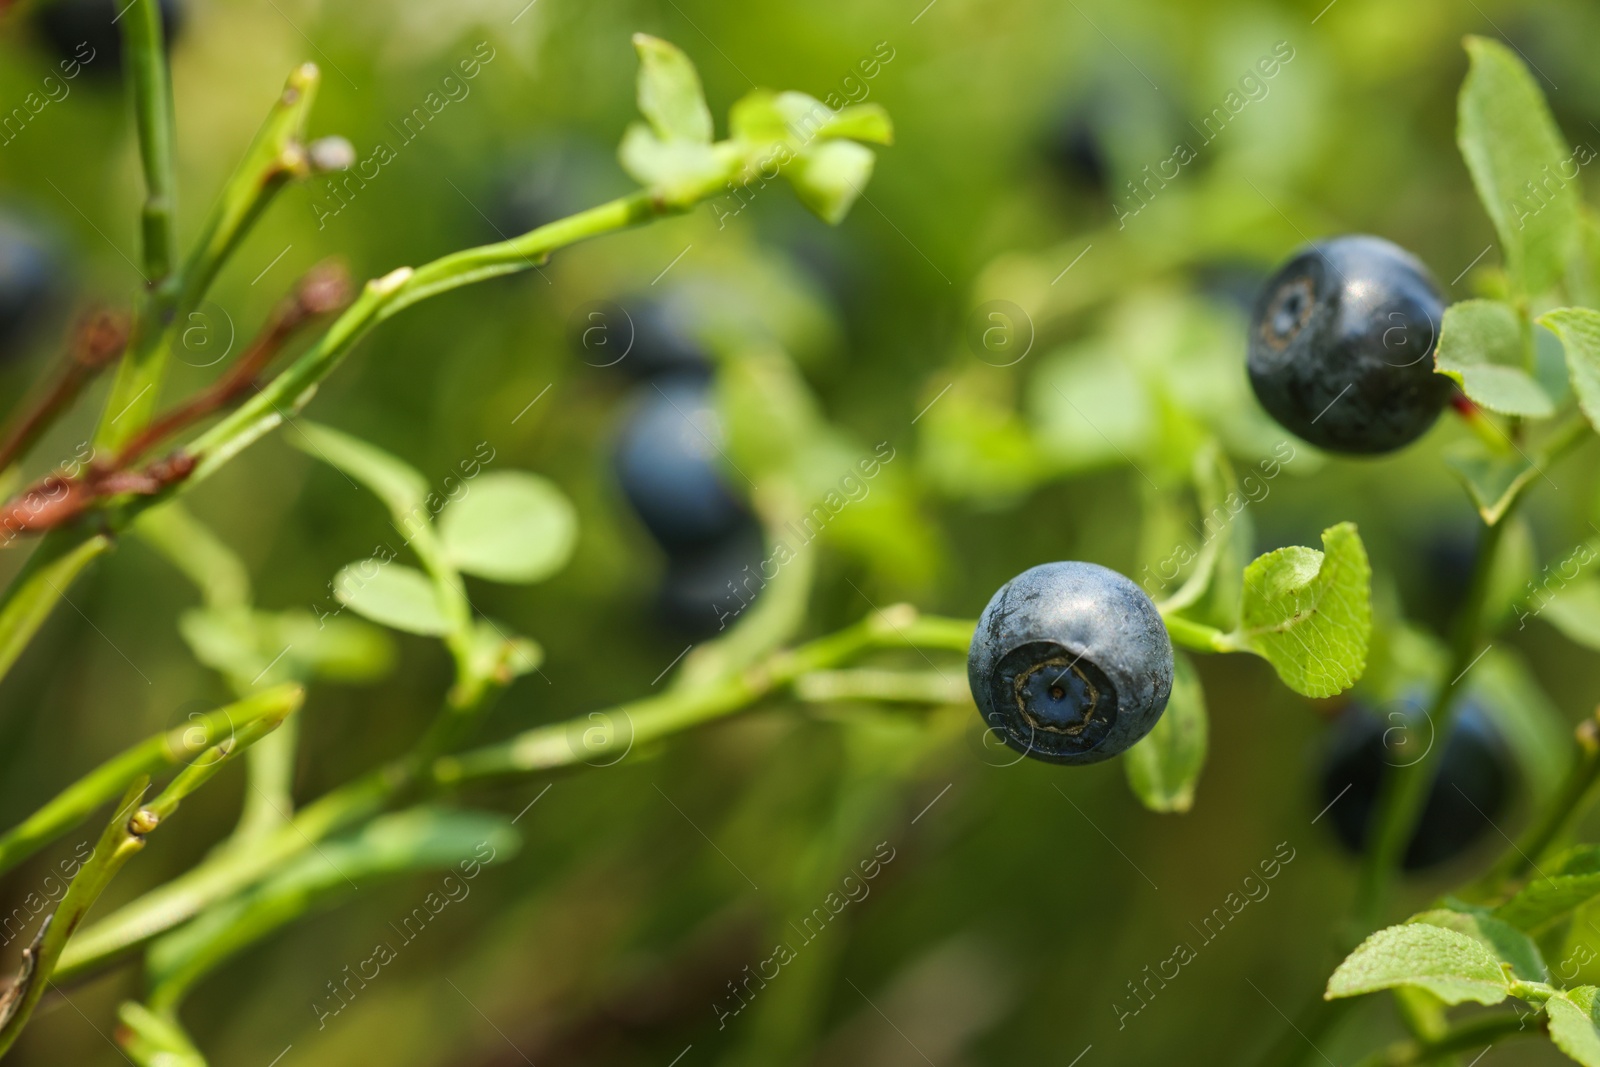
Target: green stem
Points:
(124, 836)
(1468, 1037)
(588, 738)
(43, 580)
(1197, 635)
(1404, 791)
(383, 297)
(79, 800)
(224, 874)
(605, 737)
(134, 392)
(145, 56)
(29, 599)
(117, 844)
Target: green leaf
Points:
(1493, 480)
(670, 97)
(1566, 883)
(680, 171)
(1163, 768)
(1575, 611)
(1309, 613)
(399, 485)
(1508, 944)
(153, 1040)
(1515, 153)
(762, 117)
(828, 177)
(264, 648)
(1451, 965)
(420, 838)
(332, 649)
(862, 122)
(1579, 330)
(392, 594)
(1481, 346)
(1574, 1025)
(511, 526)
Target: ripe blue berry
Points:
(28, 284)
(667, 461)
(705, 590)
(1341, 346)
(1075, 148)
(86, 31)
(1071, 663)
(1472, 787)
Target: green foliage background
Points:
(1021, 903)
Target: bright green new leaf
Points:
(1517, 156)
(1481, 346)
(680, 171)
(1508, 944)
(1567, 882)
(861, 122)
(670, 96)
(1575, 611)
(1579, 330)
(757, 118)
(1163, 768)
(1453, 966)
(510, 526)
(1309, 613)
(829, 176)
(1574, 1026)
(392, 594)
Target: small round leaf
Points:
(510, 527)
(395, 595)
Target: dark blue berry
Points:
(1071, 663)
(668, 461)
(29, 279)
(706, 590)
(645, 337)
(1075, 149)
(86, 31)
(1341, 346)
(1471, 789)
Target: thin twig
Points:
(58, 499)
(97, 341)
(325, 288)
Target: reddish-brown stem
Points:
(97, 342)
(57, 499)
(325, 288)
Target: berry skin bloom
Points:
(1071, 663)
(1342, 346)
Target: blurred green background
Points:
(1020, 904)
